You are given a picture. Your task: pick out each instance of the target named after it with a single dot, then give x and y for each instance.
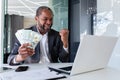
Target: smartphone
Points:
(22, 68)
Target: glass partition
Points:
(1, 30)
(60, 9)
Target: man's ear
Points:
(36, 18)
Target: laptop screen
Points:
(93, 53)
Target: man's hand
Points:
(64, 33)
(23, 52)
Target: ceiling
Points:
(25, 8)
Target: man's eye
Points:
(47, 19)
(44, 19)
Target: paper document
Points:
(38, 74)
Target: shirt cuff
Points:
(14, 61)
(66, 49)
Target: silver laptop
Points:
(93, 53)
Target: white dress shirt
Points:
(44, 49)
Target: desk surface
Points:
(104, 74)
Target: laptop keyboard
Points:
(68, 68)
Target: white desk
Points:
(104, 74)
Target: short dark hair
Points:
(41, 8)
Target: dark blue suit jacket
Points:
(55, 46)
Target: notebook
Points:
(93, 54)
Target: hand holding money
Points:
(24, 51)
(28, 40)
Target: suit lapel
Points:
(50, 41)
(34, 29)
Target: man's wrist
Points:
(18, 58)
(14, 60)
(65, 45)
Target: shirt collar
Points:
(41, 34)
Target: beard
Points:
(43, 29)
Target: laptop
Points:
(93, 54)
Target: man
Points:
(53, 47)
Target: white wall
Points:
(1, 31)
(28, 22)
(108, 23)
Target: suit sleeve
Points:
(13, 53)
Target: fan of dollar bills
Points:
(28, 36)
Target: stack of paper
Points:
(28, 36)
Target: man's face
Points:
(44, 21)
